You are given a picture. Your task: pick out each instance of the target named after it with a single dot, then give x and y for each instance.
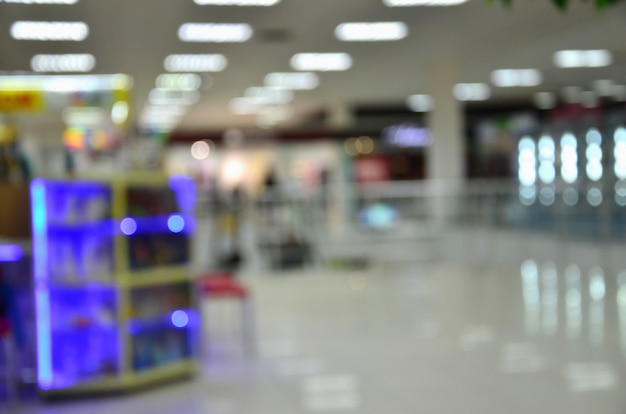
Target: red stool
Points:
(225, 286)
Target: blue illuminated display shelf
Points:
(114, 301)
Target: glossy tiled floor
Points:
(508, 336)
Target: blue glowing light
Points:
(175, 223)
(180, 319)
(10, 253)
(128, 226)
(42, 296)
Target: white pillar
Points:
(446, 155)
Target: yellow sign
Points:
(21, 101)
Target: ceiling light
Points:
(215, 32)
(237, 2)
(293, 80)
(63, 63)
(321, 61)
(70, 31)
(269, 95)
(119, 112)
(506, 78)
(472, 91)
(583, 58)
(408, 3)
(195, 63)
(179, 82)
(371, 32)
(420, 103)
(545, 100)
(40, 1)
(173, 97)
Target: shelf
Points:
(162, 275)
(173, 370)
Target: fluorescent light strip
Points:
(41, 275)
(371, 32)
(292, 80)
(322, 62)
(215, 32)
(195, 63)
(583, 58)
(266, 3)
(409, 3)
(49, 31)
(63, 63)
(179, 82)
(508, 78)
(40, 1)
(472, 91)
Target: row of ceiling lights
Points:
(390, 3)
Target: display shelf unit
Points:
(114, 300)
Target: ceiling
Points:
(135, 36)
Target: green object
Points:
(562, 4)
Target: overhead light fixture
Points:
(322, 62)
(245, 106)
(508, 78)
(420, 103)
(195, 63)
(583, 58)
(409, 3)
(40, 1)
(60, 31)
(63, 63)
(472, 91)
(179, 82)
(215, 32)
(269, 95)
(266, 3)
(544, 100)
(292, 80)
(371, 32)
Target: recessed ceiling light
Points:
(69, 31)
(420, 103)
(371, 32)
(237, 2)
(321, 61)
(506, 78)
(40, 1)
(472, 91)
(583, 58)
(408, 3)
(215, 32)
(179, 81)
(293, 80)
(63, 63)
(195, 63)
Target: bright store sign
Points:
(407, 135)
(21, 101)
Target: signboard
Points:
(21, 101)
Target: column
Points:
(445, 157)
